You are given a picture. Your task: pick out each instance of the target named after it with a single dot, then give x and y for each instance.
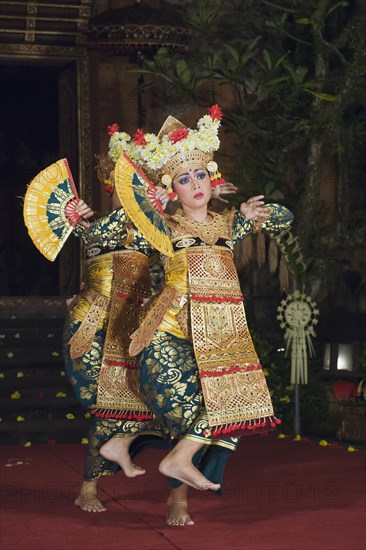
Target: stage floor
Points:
(278, 495)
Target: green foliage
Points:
(288, 75)
(276, 368)
(316, 417)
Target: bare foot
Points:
(87, 499)
(184, 471)
(116, 450)
(177, 513)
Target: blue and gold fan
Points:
(50, 208)
(137, 195)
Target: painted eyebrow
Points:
(187, 173)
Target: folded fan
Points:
(50, 208)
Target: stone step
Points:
(17, 357)
(28, 337)
(38, 404)
(28, 329)
(32, 378)
(41, 400)
(32, 382)
(44, 431)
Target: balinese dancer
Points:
(96, 335)
(97, 360)
(199, 372)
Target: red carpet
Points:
(279, 495)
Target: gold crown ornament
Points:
(166, 180)
(215, 176)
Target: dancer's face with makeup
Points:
(193, 187)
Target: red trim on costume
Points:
(230, 370)
(214, 298)
(247, 427)
(122, 415)
(123, 295)
(115, 363)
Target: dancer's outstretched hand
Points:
(254, 209)
(226, 188)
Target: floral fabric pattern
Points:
(170, 387)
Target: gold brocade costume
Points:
(96, 336)
(198, 369)
(202, 302)
(116, 286)
(118, 387)
(92, 305)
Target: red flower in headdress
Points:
(112, 129)
(178, 134)
(139, 137)
(215, 112)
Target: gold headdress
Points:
(172, 149)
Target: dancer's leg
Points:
(178, 464)
(87, 499)
(117, 450)
(177, 507)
